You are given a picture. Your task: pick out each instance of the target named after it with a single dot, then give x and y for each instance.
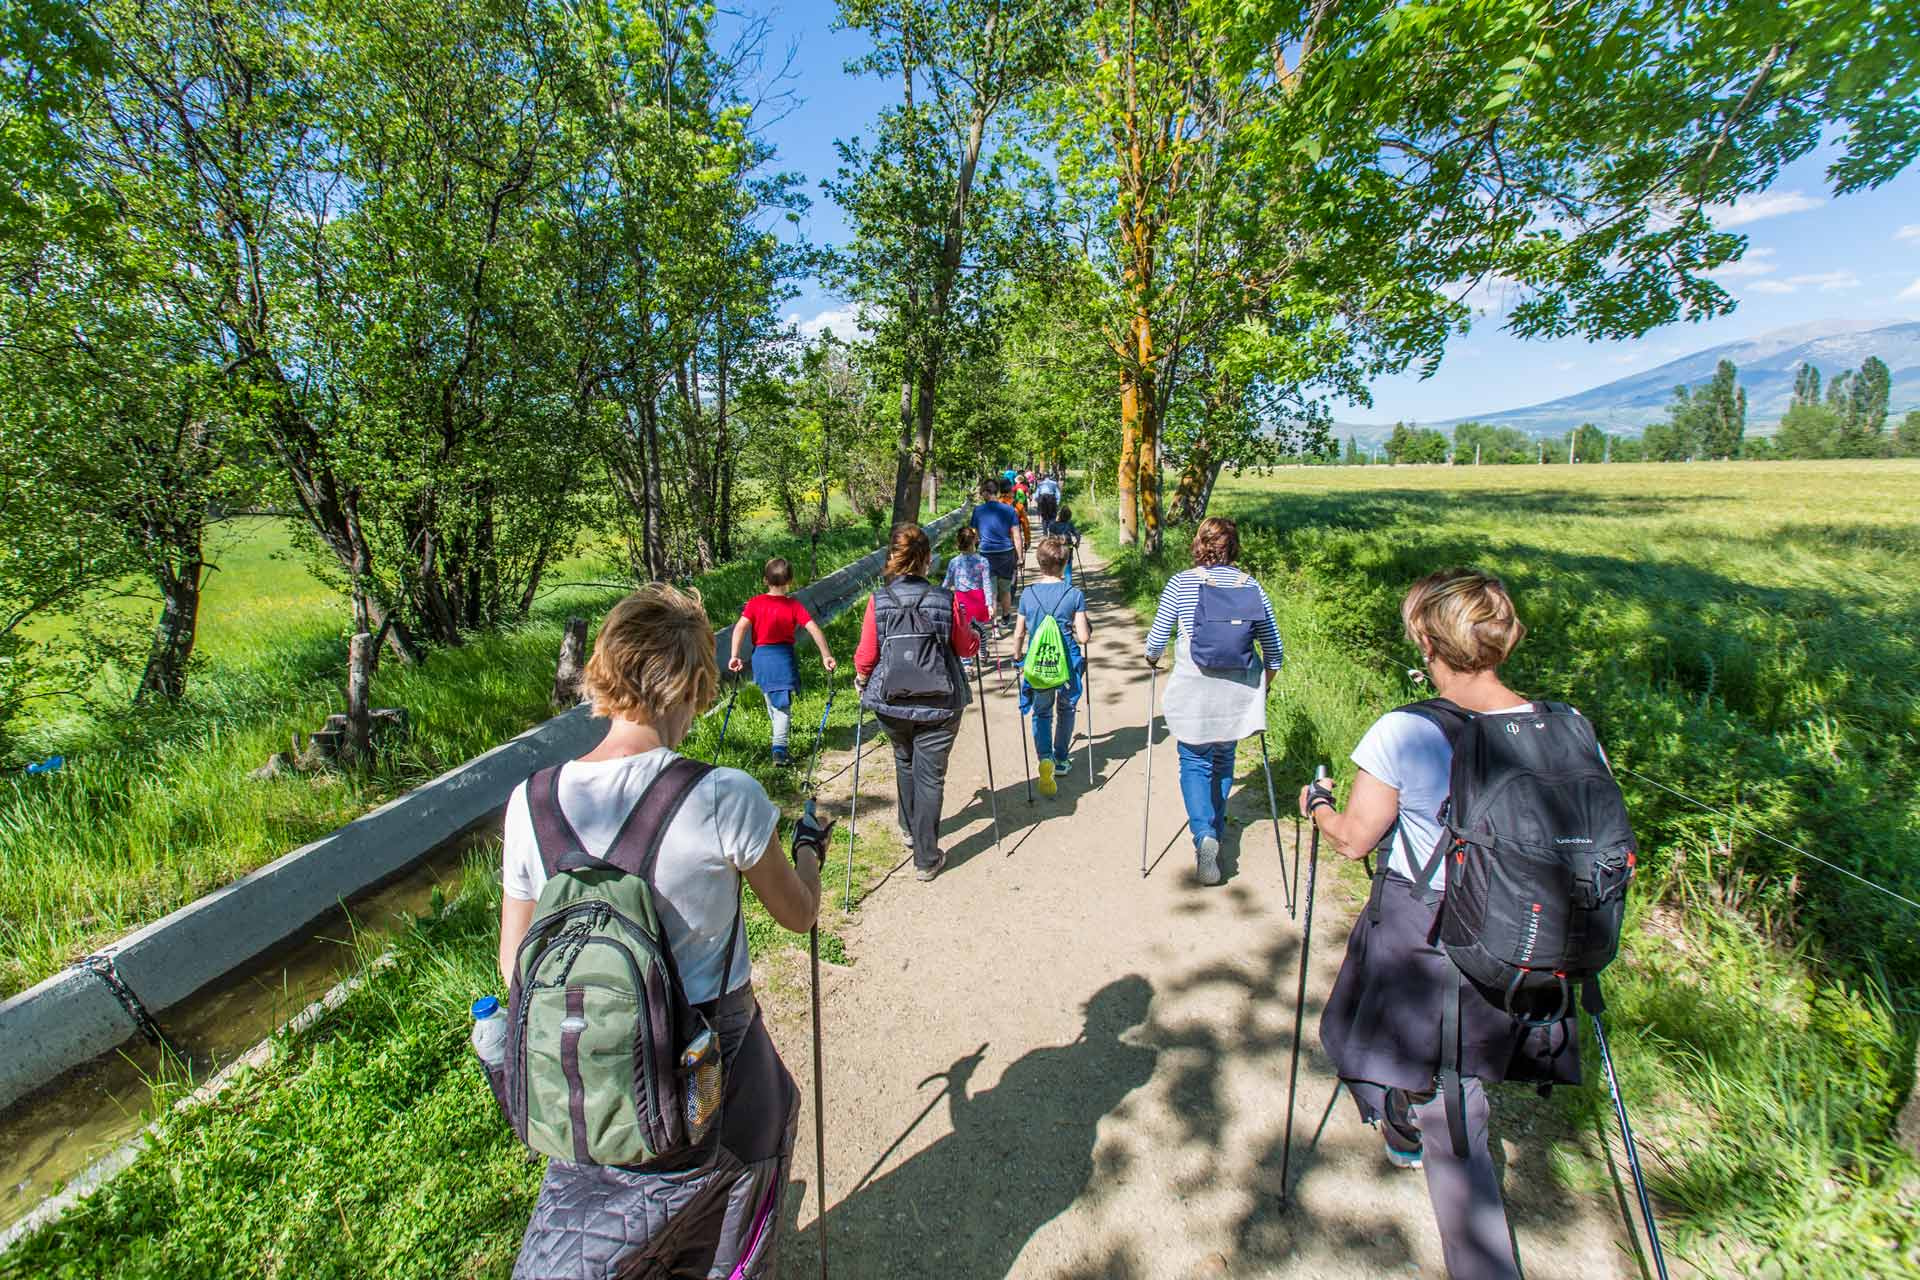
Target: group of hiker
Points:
(670, 1144)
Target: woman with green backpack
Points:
(636, 1057)
(1050, 640)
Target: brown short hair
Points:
(908, 551)
(778, 573)
(1051, 555)
(966, 540)
(1465, 616)
(654, 652)
(1216, 541)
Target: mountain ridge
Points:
(1768, 364)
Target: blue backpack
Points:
(1224, 619)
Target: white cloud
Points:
(1827, 281)
(1763, 204)
(1912, 292)
(1771, 286)
(844, 321)
(1755, 263)
(1909, 232)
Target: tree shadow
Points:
(1018, 1155)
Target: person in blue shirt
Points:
(1052, 709)
(1001, 543)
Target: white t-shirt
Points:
(1411, 754)
(722, 829)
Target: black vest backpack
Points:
(917, 676)
(1539, 851)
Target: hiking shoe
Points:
(781, 757)
(1046, 785)
(1405, 1150)
(928, 873)
(1207, 861)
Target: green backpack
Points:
(607, 1062)
(1046, 664)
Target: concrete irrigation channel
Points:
(221, 975)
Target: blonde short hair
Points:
(654, 653)
(1465, 616)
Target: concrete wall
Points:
(72, 1017)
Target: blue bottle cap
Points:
(485, 1007)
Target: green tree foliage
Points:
(1415, 445)
(447, 279)
(1851, 422)
(1479, 442)
(935, 198)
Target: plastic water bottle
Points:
(490, 1046)
(490, 1032)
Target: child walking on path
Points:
(1056, 521)
(1053, 709)
(967, 575)
(770, 621)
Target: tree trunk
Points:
(906, 474)
(1129, 451)
(359, 739)
(566, 676)
(173, 633)
(653, 541)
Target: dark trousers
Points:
(920, 751)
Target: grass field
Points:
(154, 809)
(1746, 634)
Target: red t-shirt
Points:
(775, 619)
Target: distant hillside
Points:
(1767, 366)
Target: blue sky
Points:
(1811, 258)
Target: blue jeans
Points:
(1043, 705)
(1206, 775)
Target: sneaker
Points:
(1207, 861)
(1046, 785)
(781, 757)
(1404, 1147)
(927, 873)
(1061, 768)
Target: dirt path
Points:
(1043, 1065)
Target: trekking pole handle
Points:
(1320, 773)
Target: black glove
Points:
(812, 835)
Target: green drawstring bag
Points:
(1046, 665)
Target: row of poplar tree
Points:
(456, 280)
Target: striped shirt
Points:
(1181, 597)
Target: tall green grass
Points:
(1747, 635)
(155, 808)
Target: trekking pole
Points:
(726, 720)
(1594, 1008)
(986, 740)
(1300, 995)
(1146, 807)
(853, 805)
(1086, 692)
(819, 738)
(1025, 768)
(1273, 806)
(819, 1104)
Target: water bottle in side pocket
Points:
(490, 1046)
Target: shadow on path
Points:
(1018, 1155)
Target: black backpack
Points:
(1539, 852)
(912, 668)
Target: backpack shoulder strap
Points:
(637, 847)
(1452, 720)
(1448, 717)
(553, 835)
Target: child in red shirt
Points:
(771, 621)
